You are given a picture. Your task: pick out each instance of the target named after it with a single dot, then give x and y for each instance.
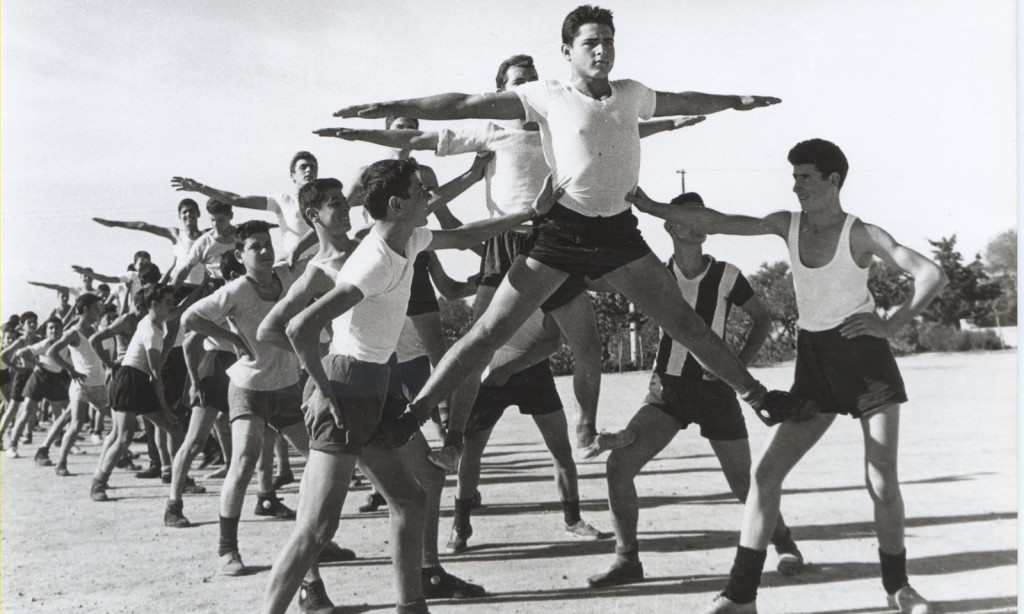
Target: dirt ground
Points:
(63, 553)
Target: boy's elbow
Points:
(293, 330)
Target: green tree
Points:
(889, 285)
(969, 293)
(773, 283)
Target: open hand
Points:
(184, 184)
(755, 102)
(684, 121)
(861, 324)
(366, 111)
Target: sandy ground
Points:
(63, 553)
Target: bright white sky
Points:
(104, 101)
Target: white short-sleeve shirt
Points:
(593, 143)
(207, 251)
(286, 207)
(148, 336)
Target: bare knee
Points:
(619, 468)
(411, 499)
(766, 476)
(884, 488)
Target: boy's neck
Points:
(396, 234)
(597, 89)
(689, 259)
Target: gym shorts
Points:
(582, 245)
(279, 408)
(532, 390)
(846, 376)
(502, 250)
(361, 388)
(214, 380)
(710, 404)
(20, 379)
(132, 390)
(97, 396)
(43, 384)
(175, 377)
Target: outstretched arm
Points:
(398, 139)
(711, 221)
(696, 103)
(57, 287)
(450, 191)
(185, 184)
(160, 231)
(499, 105)
(84, 270)
(650, 128)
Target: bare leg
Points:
(284, 464)
(246, 443)
(413, 456)
(576, 320)
(122, 431)
(881, 447)
(266, 462)
(79, 413)
(199, 427)
(469, 465)
(54, 433)
(555, 431)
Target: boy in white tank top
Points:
(831, 252)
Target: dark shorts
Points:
(422, 298)
(846, 376)
(5, 377)
(502, 250)
(175, 377)
(412, 375)
(361, 389)
(18, 386)
(532, 390)
(214, 380)
(710, 404)
(132, 390)
(583, 245)
(43, 384)
(279, 408)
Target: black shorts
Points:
(5, 377)
(279, 408)
(214, 380)
(422, 298)
(361, 389)
(583, 245)
(689, 400)
(175, 378)
(412, 375)
(43, 384)
(532, 390)
(132, 390)
(18, 385)
(502, 250)
(846, 376)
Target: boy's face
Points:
(189, 216)
(334, 212)
(405, 123)
(161, 308)
(592, 53)
(86, 280)
(141, 260)
(257, 254)
(303, 172)
(29, 325)
(685, 234)
(812, 188)
(64, 298)
(94, 312)
(54, 331)
(221, 221)
(518, 75)
(415, 207)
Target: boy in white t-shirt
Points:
(208, 248)
(348, 388)
(591, 141)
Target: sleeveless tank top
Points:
(325, 335)
(87, 362)
(181, 249)
(827, 295)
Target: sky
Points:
(103, 101)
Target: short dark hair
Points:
(247, 229)
(149, 274)
(390, 119)
(103, 287)
(29, 315)
(688, 198)
(311, 195)
(153, 294)
(521, 60)
(187, 203)
(53, 320)
(824, 155)
(302, 155)
(216, 207)
(85, 301)
(230, 267)
(140, 254)
(583, 15)
(384, 179)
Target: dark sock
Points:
(463, 510)
(745, 575)
(266, 495)
(454, 439)
(894, 570)
(785, 543)
(228, 536)
(571, 511)
(416, 607)
(627, 554)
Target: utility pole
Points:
(682, 180)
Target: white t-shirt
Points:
(238, 303)
(594, 143)
(286, 207)
(181, 250)
(410, 344)
(370, 330)
(207, 251)
(148, 336)
(516, 175)
(39, 349)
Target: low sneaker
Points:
(272, 507)
(313, 598)
(621, 572)
(909, 601)
(459, 539)
(62, 470)
(374, 501)
(333, 553)
(174, 516)
(165, 477)
(98, 491)
(722, 605)
(439, 584)
(231, 564)
(284, 479)
(446, 458)
(790, 563)
(605, 441)
(12, 452)
(585, 530)
(148, 473)
(95, 439)
(191, 488)
(42, 457)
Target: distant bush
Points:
(933, 337)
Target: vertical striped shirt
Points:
(711, 294)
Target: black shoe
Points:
(149, 473)
(271, 506)
(98, 491)
(313, 598)
(165, 477)
(174, 517)
(439, 584)
(621, 572)
(62, 470)
(43, 458)
(333, 553)
(284, 479)
(374, 501)
(477, 501)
